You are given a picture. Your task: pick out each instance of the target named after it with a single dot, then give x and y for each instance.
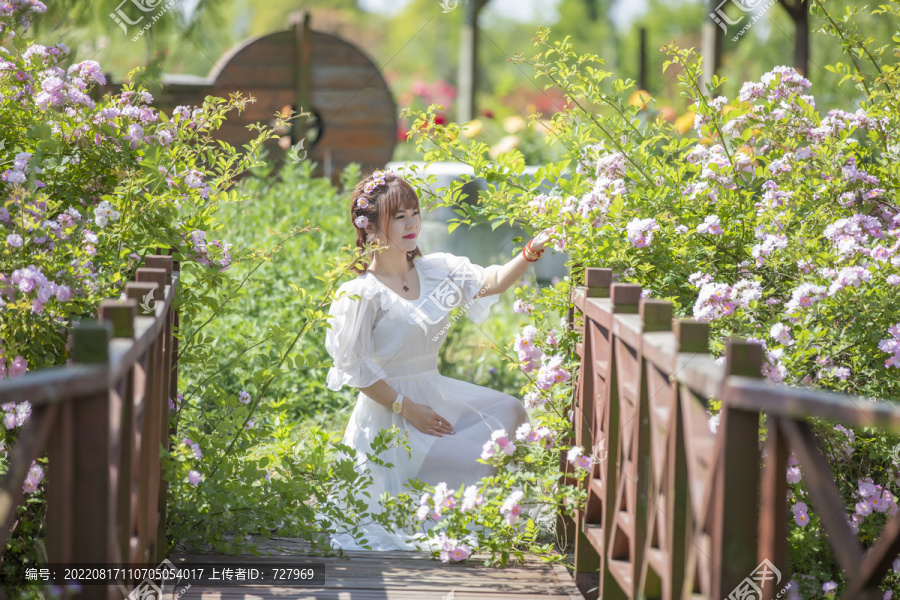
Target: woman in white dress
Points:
(386, 343)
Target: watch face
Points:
(398, 407)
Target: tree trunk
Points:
(712, 35)
(799, 13)
(467, 78)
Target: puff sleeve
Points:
(470, 278)
(349, 340)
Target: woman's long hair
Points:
(384, 201)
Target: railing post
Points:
(121, 315)
(772, 514)
(586, 407)
(81, 503)
(158, 263)
(625, 516)
(692, 337)
(663, 565)
(735, 509)
(145, 405)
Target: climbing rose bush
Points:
(775, 223)
(88, 187)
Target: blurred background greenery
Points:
(417, 47)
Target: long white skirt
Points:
(474, 411)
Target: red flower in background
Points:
(402, 130)
(526, 100)
(439, 92)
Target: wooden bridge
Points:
(674, 511)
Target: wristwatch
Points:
(397, 406)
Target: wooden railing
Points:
(102, 420)
(673, 510)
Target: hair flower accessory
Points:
(362, 202)
(361, 221)
(379, 178)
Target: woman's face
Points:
(403, 228)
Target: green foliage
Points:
(744, 226)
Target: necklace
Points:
(403, 279)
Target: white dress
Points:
(384, 336)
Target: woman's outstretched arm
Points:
(501, 277)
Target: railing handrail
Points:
(42, 386)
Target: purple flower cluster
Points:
(526, 347)
(551, 372)
(892, 347)
(640, 232)
(499, 443)
(200, 251)
(379, 178)
(872, 499)
(31, 279)
(16, 415)
(33, 479)
(22, 11)
(198, 454)
(452, 549)
(717, 300)
(512, 507)
(575, 457)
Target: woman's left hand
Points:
(543, 238)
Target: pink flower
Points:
(552, 373)
(452, 549)
(18, 367)
(471, 498)
(194, 477)
(488, 450)
(511, 507)
(794, 475)
(640, 232)
(502, 441)
(459, 553)
(841, 373)
(710, 225)
(244, 397)
(781, 333)
(34, 477)
(521, 307)
(801, 515)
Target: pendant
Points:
(405, 288)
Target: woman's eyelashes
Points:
(400, 215)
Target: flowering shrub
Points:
(87, 188)
(775, 223)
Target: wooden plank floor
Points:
(395, 575)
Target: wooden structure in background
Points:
(672, 511)
(102, 420)
(354, 114)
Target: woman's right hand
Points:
(425, 419)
